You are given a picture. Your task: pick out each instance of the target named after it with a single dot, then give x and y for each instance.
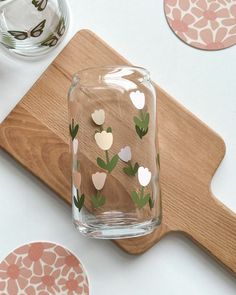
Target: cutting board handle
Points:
(216, 231)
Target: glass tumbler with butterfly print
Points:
(115, 167)
(32, 27)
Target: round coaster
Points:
(42, 269)
(204, 24)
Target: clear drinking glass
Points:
(32, 27)
(115, 167)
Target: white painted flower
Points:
(75, 146)
(104, 140)
(76, 179)
(138, 99)
(144, 176)
(125, 154)
(98, 117)
(99, 179)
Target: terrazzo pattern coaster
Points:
(204, 24)
(42, 269)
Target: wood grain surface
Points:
(36, 134)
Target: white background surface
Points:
(205, 82)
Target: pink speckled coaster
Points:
(41, 269)
(204, 24)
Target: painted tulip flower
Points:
(125, 154)
(99, 179)
(138, 99)
(144, 176)
(77, 179)
(98, 117)
(104, 140)
(75, 146)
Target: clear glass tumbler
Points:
(115, 167)
(32, 27)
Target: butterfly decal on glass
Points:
(40, 4)
(54, 38)
(35, 32)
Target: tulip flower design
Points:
(78, 200)
(104, 140)
(98, 117)
(144, 176)
(75, 144)
(98, 180)
(74, 128)
(142, 121)
(125, 155)
(76, 179)
(138, 99)
(140, 198)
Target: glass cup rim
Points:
(76, 78)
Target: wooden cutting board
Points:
(36, 134)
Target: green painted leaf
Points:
(81, 202)
(135, 197)
(98, 201)
(109, 130)
(94, 201)
(70, 128)
(143, 202)
(139, 131)
(144, 132)
(151, 203)
(72, 123)
(128, 171)
(101, 163)
(146, 122)
(102, 201)
(139, 202)
(75, 202)
(112, 164)
(75, 131)
(138, 122)
(135, 169)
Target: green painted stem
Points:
(142, 192)
(107, 157)
(142, 115)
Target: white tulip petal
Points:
(138, 99)
(125, 154)
(144, 176)
(99, 179)
(75, 146)
(98, 117)
(104, 140)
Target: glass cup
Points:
(32, 27)
(115, 166)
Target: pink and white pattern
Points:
(204, 24)
(42, 269)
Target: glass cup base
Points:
(126, 229)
